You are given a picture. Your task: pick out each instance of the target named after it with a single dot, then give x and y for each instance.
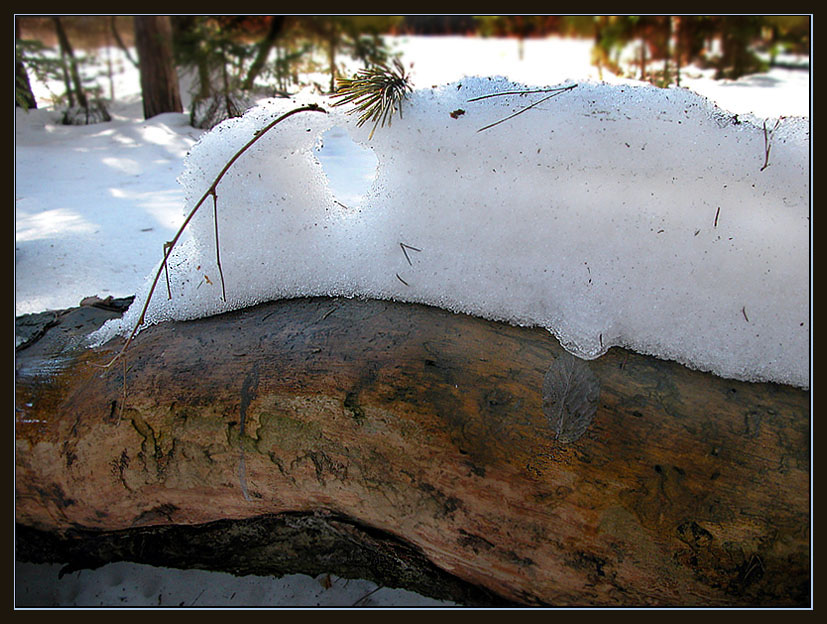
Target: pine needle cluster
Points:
(376, 93)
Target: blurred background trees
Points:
(224, 62)
(55, 61)
(232, 59)
(663, 44)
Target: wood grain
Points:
(686, 489)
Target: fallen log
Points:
(422, 439)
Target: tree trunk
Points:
(417, 433)
(667, 46)
(67, 52)
(23, 88)
(677, 27)
(159, 78)
(331, 53)
(264, 47)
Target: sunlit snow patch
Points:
(611, 215)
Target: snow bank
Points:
(610, 215)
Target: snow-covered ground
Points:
(128, 585)
(95, 204)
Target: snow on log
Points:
(610, 215)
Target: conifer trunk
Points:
(159, 78)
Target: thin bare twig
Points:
(768, 142)
(126, 369)
(522, 92)
(207, 193)
(167, 245)
(554, 93)
(329, 312)
(405, 251)
(217, 253)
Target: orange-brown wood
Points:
(686, 489)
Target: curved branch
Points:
(210, 191)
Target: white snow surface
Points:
(93, 204)
(612, 214)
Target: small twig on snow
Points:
(405, 251)
(217, 254)
(522, 92)
(210, 191)
(768, 142)
(552, 93)
(167, 245)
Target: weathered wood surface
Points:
(686, 489)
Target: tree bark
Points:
(23, 88)
(425, 428)
(159, 78)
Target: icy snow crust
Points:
(610, 215)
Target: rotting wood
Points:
(685, 490)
